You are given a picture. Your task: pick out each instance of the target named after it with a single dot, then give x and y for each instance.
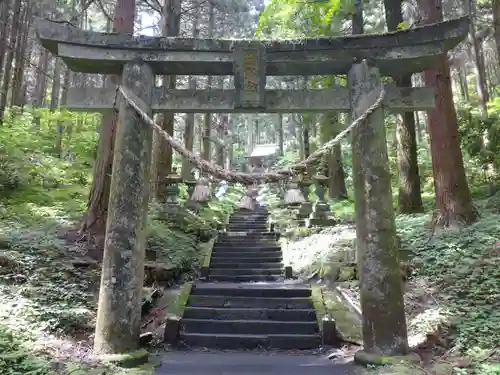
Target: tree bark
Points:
(13, 35)
(94, 220)
(495, 5)
(164, 155)
(453, 198)
(336, 178)
(409, 197)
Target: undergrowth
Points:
(47, 305)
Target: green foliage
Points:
(463, 266)
(16, 359)
(28, 155)
(299, 19)
(44, 194)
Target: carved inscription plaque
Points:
(249, 75)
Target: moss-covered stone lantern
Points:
(249, 201)
(321, 214)
(304, 182)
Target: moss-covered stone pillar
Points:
(120, 296)
(384, 323)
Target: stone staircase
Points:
(246, 302)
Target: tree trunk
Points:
(189, 120)
(280, 134)
(17, 97)
(13, 35)
(329, 126)
(94, 221)
(207, 123)
(496, 24)
(453, 198)
(164, 156)
(474, 52)
(409, 198)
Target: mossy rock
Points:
(347, 273)
(442, 368)
(330, 271)
(369, 359)
(127, 360)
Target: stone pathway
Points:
(246, 302)
(248, 363)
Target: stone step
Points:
(249, 327)
(236, 254)
(250, 302)
(238, 265)
(247, 228)
(265, 257)
(243, 278)
(305, 315)
(245, 271)
(249, 220)
(253, 235)
(271, 289)
(234, 341)
(245, 249)
(246, 242)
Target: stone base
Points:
(321, 222)
(305, 210)
(127, 360)
(204, 273)
(329, 335)
(369, 359)
(172, 328)
(288, 272)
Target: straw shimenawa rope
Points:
(251, 178)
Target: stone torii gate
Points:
(364, 58)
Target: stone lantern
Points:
(305, 208)
(293, 194)
(172, 191)
(321, 214)
(202, 192)
(190, 183)
(249, 201)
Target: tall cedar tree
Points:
(453, 198)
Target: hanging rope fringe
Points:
(252, 178)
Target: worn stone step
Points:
(265, 257)
(245, 271)
(271, 289)
(243, 278)
(245, 249)
(235, 341)
(249, 220)
(254, 235)
(250, 327)
(249, 302)
(304, 315)
(241, 256)
(238, 265)
(247, 228)
(245, 242)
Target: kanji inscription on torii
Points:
(249, 74)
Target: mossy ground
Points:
(48, 304)
(452, 293)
